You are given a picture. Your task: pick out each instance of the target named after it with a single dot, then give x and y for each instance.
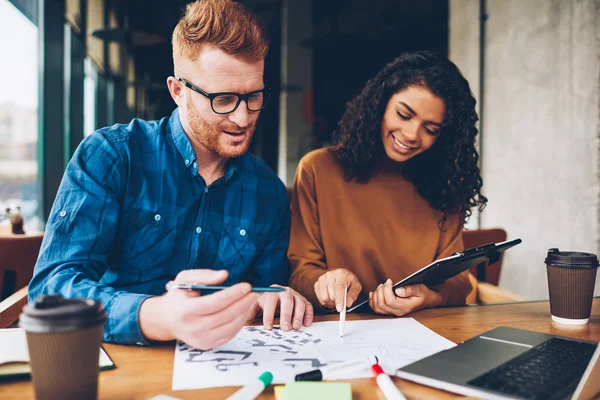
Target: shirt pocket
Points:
(239, 247)
(149, 243)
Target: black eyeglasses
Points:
(228, 102)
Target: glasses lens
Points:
(225, 103)
(256, 101)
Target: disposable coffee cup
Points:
(571, 280)
(63, 338)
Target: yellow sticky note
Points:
(317, 391)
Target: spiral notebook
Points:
(14, 356)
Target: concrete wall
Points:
(464, 46)
(541, 128)
(296, 80)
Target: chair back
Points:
(18, 255)
(480, 237)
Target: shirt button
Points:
(139, 343)
(187, 162)
(206, 189)
(242, 232)
(62, 213)
(195, 164)
(157, 217)
(198, 230)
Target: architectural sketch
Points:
(254, 350)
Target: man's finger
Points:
(242, 306)
(225, 332)
(269, 305)
(286, 309)
(299, 309)
(211, 303)
(202, 276)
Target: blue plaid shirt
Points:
(132, 212)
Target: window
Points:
(18, 116)
(89, 97)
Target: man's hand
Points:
(331, 286)
(200, 321)
(294, 309)
(405, 300)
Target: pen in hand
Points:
(172, 285)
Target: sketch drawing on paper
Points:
(295, 338)
(286, 354)
(247, 350)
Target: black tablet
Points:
(444, 268)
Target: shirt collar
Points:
(182, 142)
(184, 146)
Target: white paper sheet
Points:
(396, 342)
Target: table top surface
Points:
(143, 372)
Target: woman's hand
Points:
(403, 300)
(331, 286)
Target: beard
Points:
(212, 137)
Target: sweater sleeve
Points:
(455, 290)
(305, 253)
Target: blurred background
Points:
(68, 67)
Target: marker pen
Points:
(387, 387)
(254, 388)
(334, 370)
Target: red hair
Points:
(224, 24)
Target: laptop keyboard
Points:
(550, 370)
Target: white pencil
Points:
(343, 313)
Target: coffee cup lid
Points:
(571, 259)
(54, 313)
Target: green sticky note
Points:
(318, 391)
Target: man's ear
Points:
(175, 90)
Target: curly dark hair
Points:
(446, 175)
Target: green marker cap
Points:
(266, 378)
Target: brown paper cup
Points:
(64, 365)
(571, 294)
(571, 281)
(63, 338)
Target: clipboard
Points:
(440, 270)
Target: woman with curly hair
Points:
(393, 194)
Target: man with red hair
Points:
(180, 199)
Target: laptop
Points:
(509, 363)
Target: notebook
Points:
(14, 357)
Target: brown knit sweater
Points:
(378, 230)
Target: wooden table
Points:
(143, 372)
